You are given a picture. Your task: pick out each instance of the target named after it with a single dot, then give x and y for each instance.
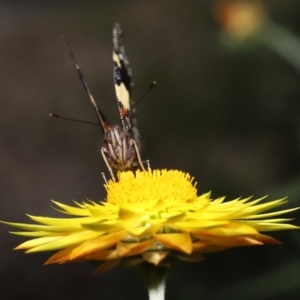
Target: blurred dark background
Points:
(230, 117)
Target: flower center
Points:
(150, 187)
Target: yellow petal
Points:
(155, 257)
(176, 241)
(134, 262)
(103, 255)
(200, 245)
(66, 241)
(126, 214)
(231, 241)
(232, 229)
(37, 242)
(145, 231)
(103, 226)
(130, 249)
(196, 225)
(106, 266)
(98, 244)
(269, 226)
(60, 256)
(31, 234)
(71, 210)
(69, 222)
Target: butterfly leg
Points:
(103, 150)
(133, 142)
(104, 177)
(148, 164)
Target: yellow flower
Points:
(241, 18)
(151, 216)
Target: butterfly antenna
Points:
(85, 85)
(55, 116)
(152, 85)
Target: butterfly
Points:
(121, 144)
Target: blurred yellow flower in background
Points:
(154, 217)
(242, 21)
(240, 18)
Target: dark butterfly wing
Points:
(123, 84)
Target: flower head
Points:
(151, 216)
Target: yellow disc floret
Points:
(146, 188)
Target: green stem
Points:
(154, 278)
(282, 41)
(157, 292)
